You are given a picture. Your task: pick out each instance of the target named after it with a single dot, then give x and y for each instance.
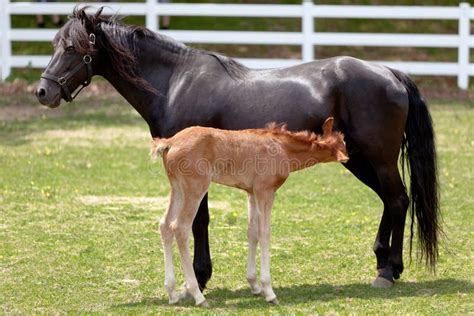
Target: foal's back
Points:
(240, 159)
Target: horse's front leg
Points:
(264, 203)
(252, 235)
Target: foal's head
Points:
(331, 145)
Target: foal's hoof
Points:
(274, 301)
(203, 304)
(382, 283)
(256, 292)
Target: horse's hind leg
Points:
(382, 240)
(364, 171)
(252, 235)
(396, 201)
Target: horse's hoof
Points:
(382, 283)
(174, 300)
(274, 301)
(203, 304)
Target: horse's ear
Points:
(98, 13)
(327, 126)
(86, 20)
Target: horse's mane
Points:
(120, 42)
(235, 69)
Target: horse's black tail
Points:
(419, 153)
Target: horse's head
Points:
(74, 61)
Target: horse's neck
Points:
(142, 101)
(157, 65)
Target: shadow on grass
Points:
(293, 295)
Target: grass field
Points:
(80, 201)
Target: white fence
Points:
(307, 38)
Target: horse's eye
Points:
(70, 48)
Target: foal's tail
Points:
(159, 146)
(419, 154)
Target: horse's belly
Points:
(302, 105)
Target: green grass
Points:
(80, 201)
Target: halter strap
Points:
(62, 80)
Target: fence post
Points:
(307, 29)
(463, 49)
(5, 38)
(151, 18)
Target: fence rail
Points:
(307, 38)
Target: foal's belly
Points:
(233, 181)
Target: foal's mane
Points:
(306, 137)
(120, 43)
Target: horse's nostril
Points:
(41, 93)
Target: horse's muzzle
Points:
(48, 95)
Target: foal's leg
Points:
(202, 258)
(252, 235)
(264, 203)
(192, 196)
(167, 238)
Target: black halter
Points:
(62, 80)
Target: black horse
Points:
(172, 86)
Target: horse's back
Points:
(347, 75)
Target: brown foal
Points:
(255, 160)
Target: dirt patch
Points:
(19, 86)
(18, 101)
(24, 111)
(159, 201)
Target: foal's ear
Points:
(327, 126)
